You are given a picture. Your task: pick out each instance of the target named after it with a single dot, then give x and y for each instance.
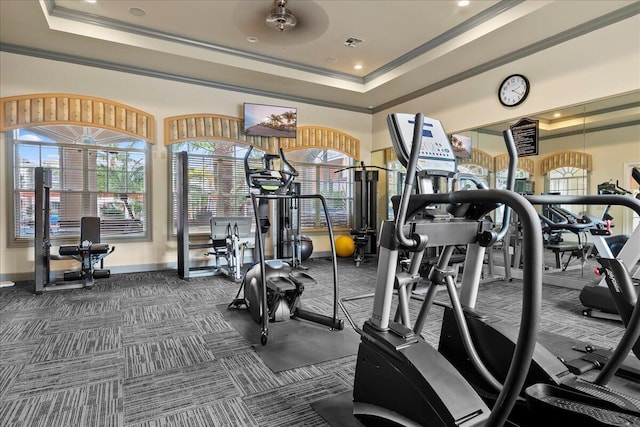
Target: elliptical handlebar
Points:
(291, 173)
(416, 242)
(567, 220)
(362, 166)
(511, 180)
(287, 171)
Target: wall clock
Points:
(513, 90)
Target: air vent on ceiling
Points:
(353, 42)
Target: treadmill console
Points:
(436, 154)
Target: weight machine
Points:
(89, 252)
(366, 210)
(225, 239)
(226, 234)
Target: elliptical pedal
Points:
(556, 406)
(621, 400)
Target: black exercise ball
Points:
(306, 247)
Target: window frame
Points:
(329, 170)
(583, 174)
(13, 144)
(199, 232)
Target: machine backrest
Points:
(219, 226)
(90, 229)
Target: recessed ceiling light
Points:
(556, 115)
(463, 3)
(358, 66)
(252, 39)
(91, 1)
(136, 11)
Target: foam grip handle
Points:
(69, 250)
(99, 248)
(101, 274)
(72, 275)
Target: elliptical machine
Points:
(272, 289)
(422, 387)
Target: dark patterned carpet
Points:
(148, 349)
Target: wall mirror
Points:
(579, 148)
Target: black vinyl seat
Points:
(89, 252)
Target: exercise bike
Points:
(598, 300)
(272, 289)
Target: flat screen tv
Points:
(461, 146)
(270, 120)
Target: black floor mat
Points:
(293, 343)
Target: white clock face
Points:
(513, 90)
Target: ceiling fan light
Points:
(281, 18)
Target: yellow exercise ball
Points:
(344, 246)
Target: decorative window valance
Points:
(574, 159)
(501, 162)
(54, 108)
(213, 126)
(389, 155)
(325, 138)
(480, 158)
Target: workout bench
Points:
(89, 252)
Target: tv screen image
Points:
(270, 120)
(461, 146)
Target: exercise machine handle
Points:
(489, 237)
(567, 220)
(511, 180)
(363, 167)
(416, 242)
(289, 171)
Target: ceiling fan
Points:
(271, 25)
(280, 18)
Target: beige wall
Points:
(20, 75)
(597, 65)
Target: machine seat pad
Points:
(455, 259)
(564, 247)
(280, 284)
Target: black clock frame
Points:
(526, 92)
